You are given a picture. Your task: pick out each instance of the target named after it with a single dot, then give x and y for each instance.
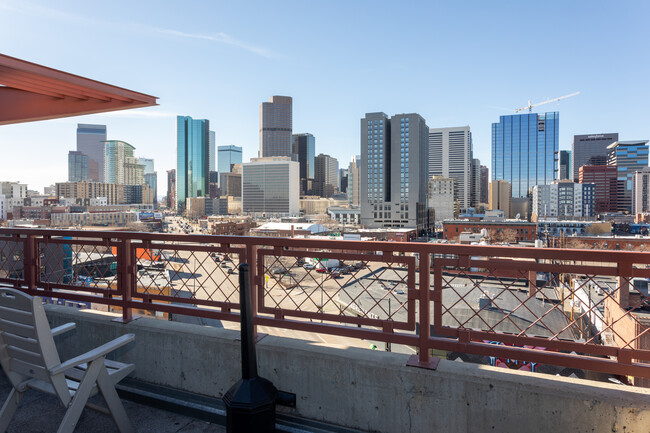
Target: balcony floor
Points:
(39, 412)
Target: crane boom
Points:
(530, 106)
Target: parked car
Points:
(224, 265)
(278, 270)
(309, 266)
(335, 274)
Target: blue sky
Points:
(455, 63)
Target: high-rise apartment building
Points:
(395, 152)
(90, 141)
(564, 199)
(276, 126)
(641, 191)
(171, 189)
(604, 177)
(485, 184)
(77, 166)
(326, 172)
(500, 196)
(3, 208)
(304, 147)
(628, 157)
(590, 149)
(270, 186)
(450, 155)
(228, 156)
(193, 158)
(354, 181)
(120, 166)
(212, 165)
(525, 150)
(441, 197)
(565, 168)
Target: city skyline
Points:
(230, 97)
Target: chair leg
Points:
(9, 408)
(80, 398)
(115, 406)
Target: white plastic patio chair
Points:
(30, 360)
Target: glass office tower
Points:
(304, 146)
(525, 150)
(228, 156)
(77, 166)
(193, 159)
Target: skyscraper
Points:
(641, 191)
(213, 152)
(150, 177)
(148, 164)
(270, 186)
(604, 177)
(326, 172)
(77, 166)
(276, 126)
(354, 181)
(590, 149)
(475, 182)
(171, 189)
(564, 169)
(304, 146)
(450, 155)
(90, 141)
(500, 196)
(228, 156)
(525, 150)
(193, 158)
(394, 175)
(440, 197)
(120, 166)
(628, 157)
(485, 182)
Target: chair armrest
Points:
(63, 328)
(93, 354)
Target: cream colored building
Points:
(500, 196)
(440, 197)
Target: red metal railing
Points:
(581, 309)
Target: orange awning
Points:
(30, 92)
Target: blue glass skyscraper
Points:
(193, 159)
(228, 156)
(525, 150)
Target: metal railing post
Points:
(251, 260)
(125, 277)
(425, 308)
(30, 260)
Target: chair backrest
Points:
(27, 349)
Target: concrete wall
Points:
(367, 390)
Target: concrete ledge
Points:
(362, 389)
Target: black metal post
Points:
(250, 403)
(248, 354)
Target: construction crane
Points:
(530, 106)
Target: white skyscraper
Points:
(271, 186)
(450, 155)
